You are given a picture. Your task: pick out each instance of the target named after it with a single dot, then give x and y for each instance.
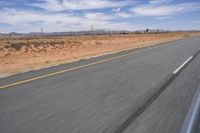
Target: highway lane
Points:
(198, 127)
(167, 113)
(97, 98)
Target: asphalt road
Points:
(100, 98)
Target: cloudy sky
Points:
(73, 15)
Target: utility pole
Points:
(41, 31)
(92, 29)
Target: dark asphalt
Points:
(102, 97)
(168, 111)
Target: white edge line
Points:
(182, 65)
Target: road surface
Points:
(123, 92)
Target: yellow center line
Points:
(69, 69)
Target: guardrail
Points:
(192, 119)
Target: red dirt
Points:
(23, 54)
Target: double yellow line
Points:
(69, 69)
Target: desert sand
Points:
(22, 54)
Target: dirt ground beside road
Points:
(28, 53)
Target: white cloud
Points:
(124, 15)
(14, 17)
(98, 16)
(55, 5)
(26, 21)
(159, 1)
(52, 5)
(163, 17)
(164, 10)
(116, 10)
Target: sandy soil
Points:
(23, 54)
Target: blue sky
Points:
(72, 15)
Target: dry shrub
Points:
(7, 54)
(46, 61)
(186, 35)
(17, 46)
(98, 43)
(7, 46)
